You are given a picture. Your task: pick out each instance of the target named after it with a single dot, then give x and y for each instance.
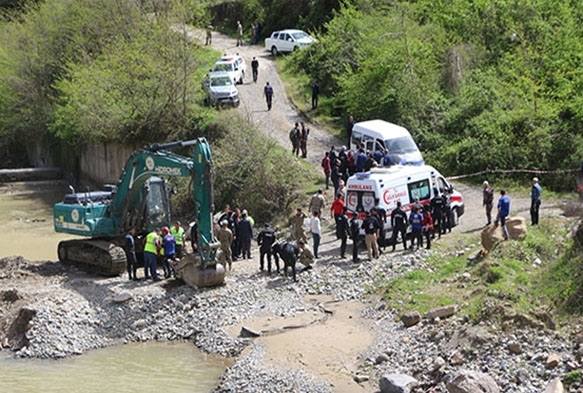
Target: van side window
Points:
(419, 189)
(380, 145)
(441, 184)
(368, 142)
(356, 138)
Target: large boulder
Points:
(491, 235)
(468, 381)
(397, 383)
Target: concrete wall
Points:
(102, 163)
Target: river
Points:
(26, 217)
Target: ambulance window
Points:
(419, 189)
(368, 200)
(352, 201)
(359, 201)
(441, 184)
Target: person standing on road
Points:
(304, 132)
(317, 202)
(342, 232)
(255, 68)
(535, 200)
(399, 225)
(427, 225)
(225, 237)
(488, 200)
(436, 204)
(316, 229)
(354, 235)
(239, 34)
(178, 232)
(268, 92)
(416, 220)
(349, 127)
(337, 208)
(327, 168)
(209, 35)
(297, 226)
(152, 247)
(294, 138)
(245, 234)
(315, 93)
(503, 212)
(265, 240)
(371, 234)
(130, 250)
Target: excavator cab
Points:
(157, 206)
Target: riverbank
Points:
(318, 335)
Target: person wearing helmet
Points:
(169, 247)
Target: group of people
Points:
(298, 137)
(503, 205)
(162, 246)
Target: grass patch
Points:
(540, 272)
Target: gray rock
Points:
(555, 386)
(383, 357)
(411, 318)
(361, 378)
(515, 347)
(441, 312)
(248, 332)
(122, 297)
(468, 381)
(397, 383)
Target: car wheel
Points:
(454, 218)
(242, 76)
(295, 49)
(274, 50)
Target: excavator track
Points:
(94, 256)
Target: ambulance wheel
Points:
(454, 219)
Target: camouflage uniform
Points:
(298, 232)
(225, 236)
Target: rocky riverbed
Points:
(53, 311)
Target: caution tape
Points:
(531, 171)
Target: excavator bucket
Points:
(193, 274)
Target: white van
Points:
(386, 136)
(399, 183)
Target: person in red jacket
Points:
(326, 166)
(337, 208)
(427, 224)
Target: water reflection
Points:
(156, 367)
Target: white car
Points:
(233, 65)
(220, 90)
(288, 41)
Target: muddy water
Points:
(152, 367)
(27, 222)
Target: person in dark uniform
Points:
(382, 217)
(255, 68)
(371, 228)
(342, 231)
(130, 250)
(399, 223)
(245, 234)
(315, 93)
(446, 222)
(288, 252)
(436, 204)
(354, 234)
(416, 220)
(265, 240)
(268, 92)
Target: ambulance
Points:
(399, 183)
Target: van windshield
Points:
(404, 144)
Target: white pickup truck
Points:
(287, 41)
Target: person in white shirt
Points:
(316, 230)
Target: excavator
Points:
(141, 200)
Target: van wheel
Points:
(274, 51)
(454, 218)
